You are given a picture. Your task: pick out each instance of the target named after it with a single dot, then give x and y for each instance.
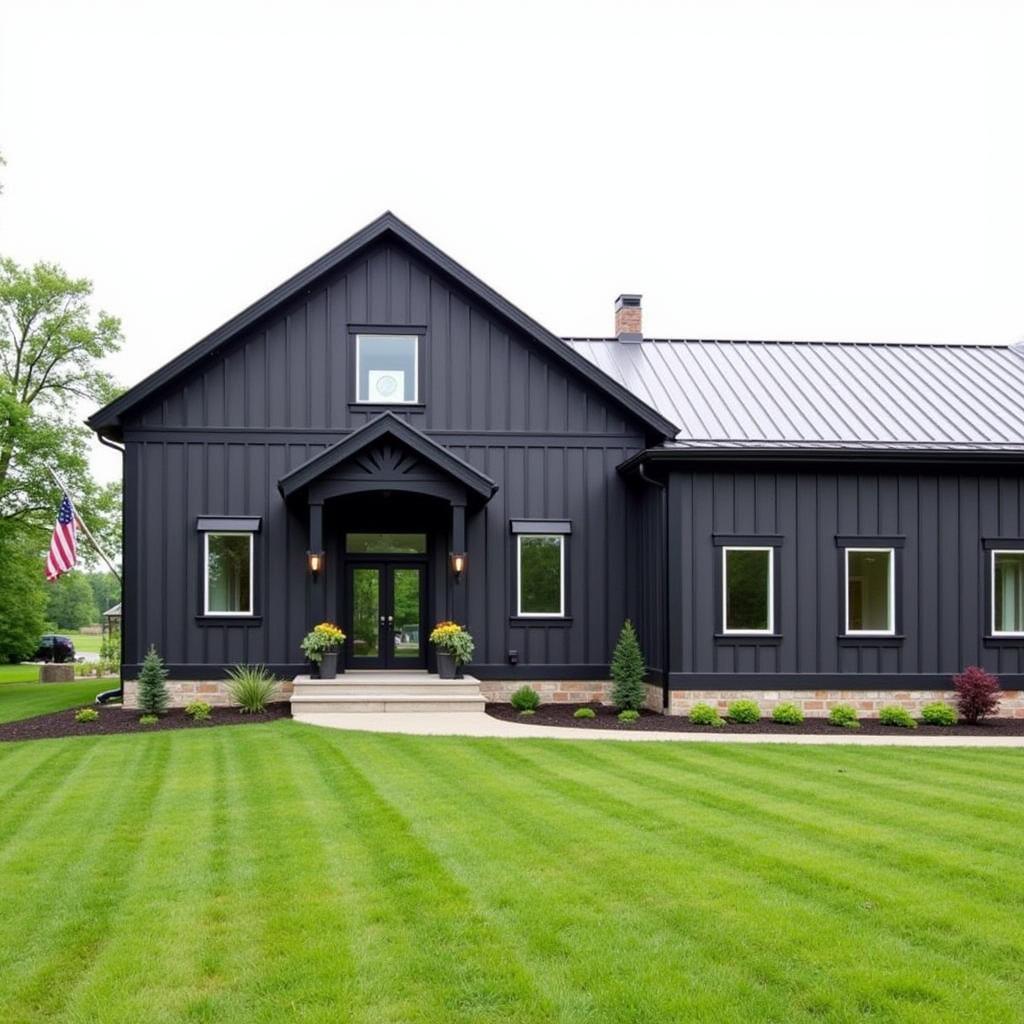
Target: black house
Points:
(787, 520)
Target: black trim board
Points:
(107, 420)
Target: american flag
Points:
(63, 545)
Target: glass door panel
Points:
(366, 612)
(406, 622)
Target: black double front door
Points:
(387, 603)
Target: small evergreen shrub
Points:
(152, 684)
(977, 693)
(198, 710)
(844, 716)
(251, 687)
(149, 719)
(87, 715)
(788, 714)
(744, 712)
(526, 698)
(938, 713)
(896, 717)
(584, 713)
(629, 715)
(628, 670)
(705, 714)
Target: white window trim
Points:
(560, 614)
(891, 631)
(770, 631)
(415, 339)
(992, 587)
(206, 572)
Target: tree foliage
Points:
(51, 347)
(70, 603)
(628, 670)
(22, 596)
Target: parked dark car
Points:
(54, 647)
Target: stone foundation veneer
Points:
(562, 691)
(818, 703)
(185, 691)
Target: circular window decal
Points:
(387, 385)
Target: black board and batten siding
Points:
(217, 442)
(938, 521)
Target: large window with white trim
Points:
(540, 572)
(227, 573)
(387, 369)
(870, 591)
(748, 590)
(1008, 593)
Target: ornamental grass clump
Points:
(977, 694)
(844, 716)
(744, 712)
(153, 696)
(251, 687)
(627, 671)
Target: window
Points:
(228, 573)
(1008, 593)
(748, 590)
(870, 591)
(387, 368)
(386, 543)
(541, 574)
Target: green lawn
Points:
(287, 873)
(22, 695)
(85, 642)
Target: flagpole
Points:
(81, 522)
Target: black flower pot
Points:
(447, 668)
(329, 665)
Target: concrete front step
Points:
(377, 692)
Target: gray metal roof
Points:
(824, 394)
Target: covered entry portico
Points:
(387, 509)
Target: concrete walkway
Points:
(476, 723)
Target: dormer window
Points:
(387, 369)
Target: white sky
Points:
(757, 170)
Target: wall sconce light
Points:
(458, 560)
(315, 561)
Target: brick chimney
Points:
(628, 318)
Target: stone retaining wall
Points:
(818, 703)
(185, 691)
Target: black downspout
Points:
(667, 648)
(118, 694)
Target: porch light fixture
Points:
(458, 560)
(315, 561)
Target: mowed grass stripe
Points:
(427, 955)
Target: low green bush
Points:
(198, 710)
(149, 719)
(897, 717)
(744, 712)
(584, 713)
(938, 713)
(526, 698)
(788, 714)
(527, 711)
(86, 715)
(844, 716)
(251, 687)
(705, 714)
(629, 715)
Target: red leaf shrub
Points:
(977, 693)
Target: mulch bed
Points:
(650, 721)
(117, 720)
